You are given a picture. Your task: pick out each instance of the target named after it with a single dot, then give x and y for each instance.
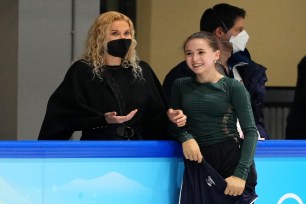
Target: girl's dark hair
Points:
(212, 41)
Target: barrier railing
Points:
(115, 172)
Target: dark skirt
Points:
(204, 183)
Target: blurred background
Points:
(40, 39)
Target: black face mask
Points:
(119, 48)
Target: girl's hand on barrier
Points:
(191, 151)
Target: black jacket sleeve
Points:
(179, 71)
(156, 107)
(67, 110)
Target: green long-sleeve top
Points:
(212, 110)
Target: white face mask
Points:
(239, 42)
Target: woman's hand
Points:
(191, 151)
(112, 118)
(235, 186)
(177, 117)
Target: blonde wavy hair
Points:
(96, 44)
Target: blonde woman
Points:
(109, 94)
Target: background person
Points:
(296, 119)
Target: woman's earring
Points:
(125, 63)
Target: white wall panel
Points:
(45, 54)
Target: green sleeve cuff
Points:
(184, 136)
(243, 176)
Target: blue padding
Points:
(281, 148)
(116, 149)
(88, 149)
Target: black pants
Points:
(223, 158)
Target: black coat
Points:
(296, 120)
(82, 99)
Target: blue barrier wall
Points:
(138, 172)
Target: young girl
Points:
(212, 103)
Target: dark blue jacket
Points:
(203, 184)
